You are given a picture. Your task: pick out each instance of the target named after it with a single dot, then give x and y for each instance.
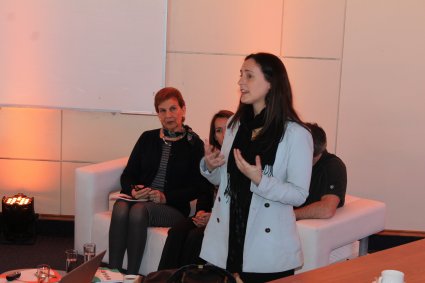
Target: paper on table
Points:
(125, 197)
(104, 274)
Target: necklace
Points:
(255, 132)
(167, 143)
(170, 134)
(168, 140)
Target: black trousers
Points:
(182, 246)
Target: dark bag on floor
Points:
(192, 273)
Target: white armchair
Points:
(320, 238)
(326, 241)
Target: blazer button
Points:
(218, 220)
(219, 199)
(267, 204)
(267, 230)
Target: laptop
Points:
(85, 272)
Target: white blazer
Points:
(272, 243)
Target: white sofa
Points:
(323, 240)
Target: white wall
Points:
(355, 67)
(381, 132)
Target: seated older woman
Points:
(163, 169)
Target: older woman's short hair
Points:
(167, 93)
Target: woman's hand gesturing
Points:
(213, 157)
(253, 172)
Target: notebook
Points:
(85, 272)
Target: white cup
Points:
(391, 276)
(130, 278)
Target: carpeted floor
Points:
(46, 249)
(380, 242)
(51, 240)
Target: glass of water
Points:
(71, 259)
(89, 251)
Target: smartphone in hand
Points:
(143, 193)
(137, 187)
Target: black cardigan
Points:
(183, 181)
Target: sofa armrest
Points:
(93, 183)
(358, 219)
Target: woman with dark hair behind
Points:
(163, 171)
(218, 128)
(184, 240)
(263, 170)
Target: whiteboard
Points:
(100, 55)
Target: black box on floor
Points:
(18, 220)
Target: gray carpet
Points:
(46, 249)
(51, 240)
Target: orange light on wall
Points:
(18, 219)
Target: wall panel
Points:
(67, 196)
(224, 27)
(99, 136)
(40, 179)
(381, 133)
(313, 28)
(30, 133)
(208, 84)
(315, 84)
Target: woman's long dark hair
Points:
(279, 102)
(220, 114)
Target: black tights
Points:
(128, 230)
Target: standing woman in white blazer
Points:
(263, 170)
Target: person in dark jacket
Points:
(184, 240)
(162, 173)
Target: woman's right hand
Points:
(201, 218)
(213, 157)
(140, 192)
